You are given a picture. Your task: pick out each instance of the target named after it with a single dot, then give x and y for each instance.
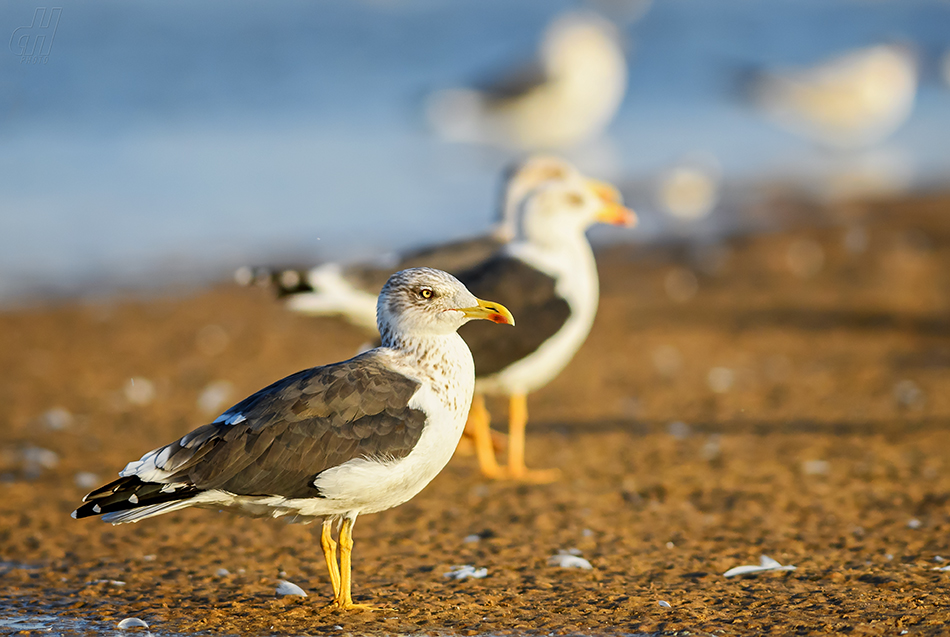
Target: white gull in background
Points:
(854, 100)
(568, 97)
(550, 274)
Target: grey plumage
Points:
(533, 296)
(292, 431)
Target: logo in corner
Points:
(33, 43)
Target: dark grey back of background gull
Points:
(453, 257)
(530, 295)
(301, 426)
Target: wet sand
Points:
(786, 395)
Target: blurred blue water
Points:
(173, 140)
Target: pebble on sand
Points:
(86, 480)
(466, 571)
(720, 379)
(766, 564)
(213, 397)
(132, 622)
(37, 459)
(57, 418)
(139, 391)
(569, 559)
(289, 588)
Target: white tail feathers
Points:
(334, 295)
(141, 513)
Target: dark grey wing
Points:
(369, 277)
(286, 434)
(276, 441)
(513, 84)
(531, 296)
(453, 256)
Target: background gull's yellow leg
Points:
(480, 421)
(517, 421)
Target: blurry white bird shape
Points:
(854, 100)
(569, 98)
(689, 190)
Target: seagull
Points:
(569, 98)
(550, 275)
(854, 100)
(331, 442)
(349, 290)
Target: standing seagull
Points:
(349, 290)
(569, 97)
(550, 275)
(330, 442)
(853, 100)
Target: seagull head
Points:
(559, 211)
(522, 178)
(577, 43)
(425, 301)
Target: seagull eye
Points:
(425, 293)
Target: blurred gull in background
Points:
(855, 100)
(625, 12)
(569, 97)
(350, 290)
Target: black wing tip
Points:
(86, 511)
(290, 283)
(111, 488)
(129, 493)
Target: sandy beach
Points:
(784, 394)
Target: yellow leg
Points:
(329, 552)
(479, 422)
(517, 420)
(344, 599)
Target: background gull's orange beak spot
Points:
(617, 215)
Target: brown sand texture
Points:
(784, 395)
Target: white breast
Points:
(369, 485)
(575, 269)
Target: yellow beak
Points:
(490, 311)
(617, 215)
(613, 211)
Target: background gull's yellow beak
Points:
(489, 311)
(613, 212)
(617, 215)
